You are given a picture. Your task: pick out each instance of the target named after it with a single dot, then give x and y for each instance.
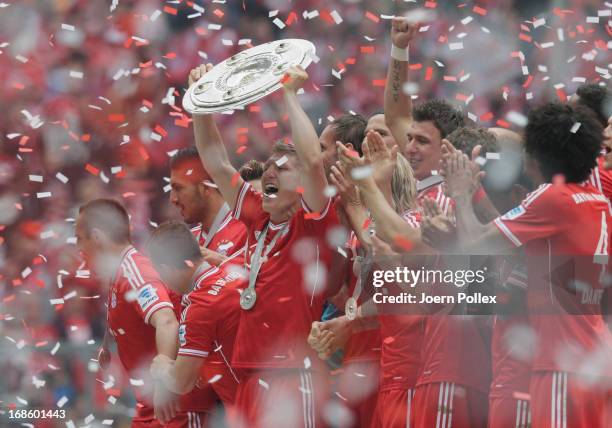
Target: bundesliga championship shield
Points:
(247, 76)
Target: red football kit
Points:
(208, 327)
(400, 359)
(271, 341)
(359, 380)
(509, 393)
(564, 229)
(135, 294)
(228, 238)
(454, 375)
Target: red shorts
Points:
(508, 412)
(446, 405)
(358, 385)
(394, 409)
(280, 398)
(560, 400)
(145, 418)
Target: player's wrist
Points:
(400, 53)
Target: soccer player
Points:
(210, 314)
(563, 226)
(505, 185)
(288, 253)
(347, 128)
(140, 313)
(199, 200)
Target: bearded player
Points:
(197, 197)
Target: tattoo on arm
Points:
(395, 80)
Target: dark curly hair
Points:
(444, 116)
(550, 141)
(595, 97)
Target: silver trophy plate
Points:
(247, 76)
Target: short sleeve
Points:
(150, 298)
(196, 331)
(147, 293)
(540, 215)
(248, 206)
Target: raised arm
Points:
(398, 104)
(306, 142)
(212, 150)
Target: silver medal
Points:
(350, 308)
(248, 297)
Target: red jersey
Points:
(362, 345)
(433, 188)
(290, 286)
(454, 347)
(511, 374)
(209, 323)
(564, 225)
(229, 239)
(401, 336)
(135, 294)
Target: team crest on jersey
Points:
(113, 300)
(147, 295)
(514, 213)
(224, 246)
(182, 332)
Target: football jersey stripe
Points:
(535, 194)
(131, 261)
(240, 200)
(192, 352)
(155, 308)
(504, 229)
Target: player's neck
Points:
(278, 218)
(213, 207)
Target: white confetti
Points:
(55, 348)
(517, 118)
(156, 14)
(62, 401)
(575, 127)
(89, 419)
(76, 74)
(362, 172)
(36, 178)
(42, 195)
(336, 16)
(455, 46)
(137, 382)
(264, 384)
(280, 24)
(215, 378)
